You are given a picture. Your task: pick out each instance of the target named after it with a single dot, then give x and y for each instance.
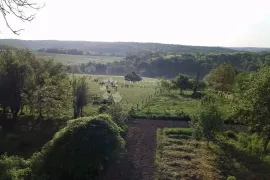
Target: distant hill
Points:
(111, 48)
(250, 49)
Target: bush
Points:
(102, 108)
(82, 150)
(13, 168)
(132, 77)
(231, 178)
(230, 134)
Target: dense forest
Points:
(149, 64)
(110, 48)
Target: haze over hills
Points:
(116, 48)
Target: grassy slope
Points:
(179, 157)
(77, 59)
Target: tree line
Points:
(153, 64)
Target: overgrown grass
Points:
(241, 155)
(170, 106)
(180, 157)
(79, 59)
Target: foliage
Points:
(81, 150)
(181, 81)
(132, 77)
(26, 80)
(208, 122)
(119, 114)
(230, 134)
(231, 178)
(253, 104)
(14, 168)
(222, 78)
(80, 95)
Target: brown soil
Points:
(138, 162)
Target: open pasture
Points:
(132, 94)
(79, 59)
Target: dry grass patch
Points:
(178, 156)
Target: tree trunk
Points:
(265, 144)
(81, 111)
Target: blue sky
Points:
(190, 22)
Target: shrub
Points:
(13, 168)
(230, 134)
(81, 150)
(102, 108)
(119, 114)
(231, 178)
(132, 77)
(208, 122)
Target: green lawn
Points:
(79, 59)
(170, 105)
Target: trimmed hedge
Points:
(82, 150)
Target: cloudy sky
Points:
(189, 22)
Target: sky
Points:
(229, 23)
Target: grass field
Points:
(180, 157)
(170, 105)
(131, 96)
(79, 59)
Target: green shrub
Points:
(102, 108)
(119, 114)
(230, 134)
(132, 77)
(81, 150)
(231, 178)
(13, 168)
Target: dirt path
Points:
(138, 164)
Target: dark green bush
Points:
(102, 108)
(230, 134)
(81, 150)
(231, 178)
(13, 168)
(132, 77)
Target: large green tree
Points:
(222, 78)
(253, 103)
(15, 76)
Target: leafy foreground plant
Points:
(208, 122)
(81, 150)
(13, 168)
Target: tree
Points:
(52, 92)
(15, 75)
(208, 121)
(253, 103)
(181, 81)
(18, 8)
(222, 78)
(80, 95)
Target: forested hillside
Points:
(108, 48)
(159, 65)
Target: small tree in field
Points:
(208, 122)
(181, 81)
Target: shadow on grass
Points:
(242, 165)
(28, 136)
